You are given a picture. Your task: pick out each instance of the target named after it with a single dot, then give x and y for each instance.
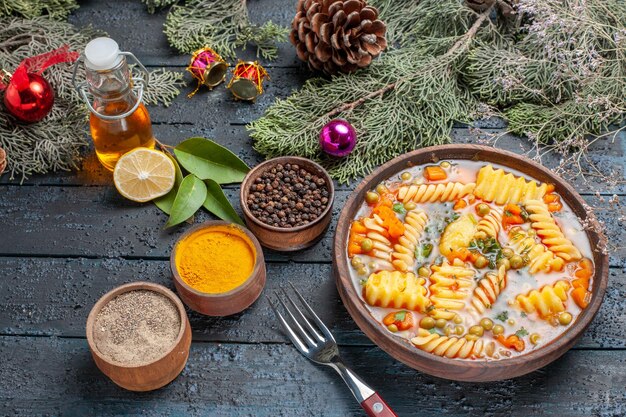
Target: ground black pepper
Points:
(288, 196)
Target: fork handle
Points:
(375, 406)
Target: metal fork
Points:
(318, 345)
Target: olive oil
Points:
(113, 138)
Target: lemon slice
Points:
(144, 174)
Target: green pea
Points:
(477, 330)
(447, 330)
(459, 330)
(497, 330)
(381, 188)
(392, 328)
(409, 205)
(511, 322)
(482, 209)
(362, 270)
(367, 245)
(516, 262)
(427, 323)
(372, 265)
(445, 165)
(440, 323)
(423, 271)
(505, 262)
(526, 259)
(371, 197)
(486, 324)
(507, 252)
(565, 318)
(534, 338)
(457, 319)
(406, 176)
(356, 261)
(471, 337)
(481, 262)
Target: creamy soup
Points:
(470, 260)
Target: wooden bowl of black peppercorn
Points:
(287, 202)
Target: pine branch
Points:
(154, 5)
(55, 9)
(221, 24)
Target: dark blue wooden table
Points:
(66, 239)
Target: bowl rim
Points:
(258, 263)
(128, 287)
(254, 173)
(409, 354)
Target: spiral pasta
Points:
(453, 347)
(488, 289)
(550, 233)
(396, 290)
(541, 258)
(457, 235)
(404, 251)
(381, 244)
(502, 188)
(451, 285)
(491, 224)
(430, 193)
(547, 302)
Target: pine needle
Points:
(221, 24)
(154, 5)
(55, 9)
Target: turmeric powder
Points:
(215, 260)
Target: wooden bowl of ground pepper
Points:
(139, 336)
(218, 268)
(287, 202)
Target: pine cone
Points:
(336, 35)
(3, 160)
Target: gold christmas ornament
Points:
(337, 36)
(208, 67)
(247, 80)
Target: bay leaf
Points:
(165, 202)
(209, 160)
(189, 198)
(217, 203)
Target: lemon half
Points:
(144, 174)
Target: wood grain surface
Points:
(68, 238)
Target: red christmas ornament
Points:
(28, 96)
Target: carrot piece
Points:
(402, 319)
(511, 342)
(585, 269)
(513, 209)
(581, 297)
(460, 204)
(435, 173)
(358, 227)
(581, 283)
(393, 225)
(550, 198)
(554, 207)
(550, 188)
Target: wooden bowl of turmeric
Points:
(218, 268)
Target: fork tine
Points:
(304, 319)
(292, 336)
(314, 316)
(303, 333)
